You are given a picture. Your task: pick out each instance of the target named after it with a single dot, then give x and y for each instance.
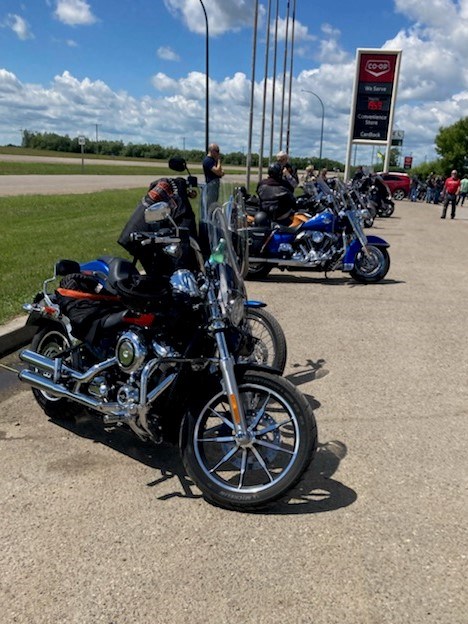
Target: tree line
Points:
(64, 143)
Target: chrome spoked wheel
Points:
(252, 471)
(51, 341)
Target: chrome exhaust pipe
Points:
(39, 382)
(56, 365)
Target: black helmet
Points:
(275, 171)
(261, 219)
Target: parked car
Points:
(398, 183)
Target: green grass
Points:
(35, 232)
(26, 151)
(38, 231)
(38, 168)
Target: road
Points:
(84, 183)
(100, 528)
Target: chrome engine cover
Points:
(130, 351)
(314, 247)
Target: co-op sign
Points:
(374, 94)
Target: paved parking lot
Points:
(98, 528)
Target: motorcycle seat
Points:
(119, 269)
(287, 229)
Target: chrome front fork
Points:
(226, 363)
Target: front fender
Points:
(377, 241)
(241, 368)
(253, 303)
(355, 248)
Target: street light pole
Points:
(323, 119)
(207, 57)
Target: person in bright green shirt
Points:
(463, 190)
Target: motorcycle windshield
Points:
(223, 226)
(223, 221)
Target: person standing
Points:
(213, 170)
(463, 190)
(430, 187)
(451, 190)
(414, 188)
(289, 174)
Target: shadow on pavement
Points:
(291, 278)
(315, 493)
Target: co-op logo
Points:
(377, 68)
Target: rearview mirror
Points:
(159, 211)
(177, 163)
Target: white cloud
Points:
(433, 92)
(74, 12)
(301, 32)
(222, 16)
(167, 54)
(19, 26)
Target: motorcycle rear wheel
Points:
(373, 268)
(50, 341)
(258, 270)
(250, 476)
(270, 346)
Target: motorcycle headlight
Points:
(236, 310)
(183, 281)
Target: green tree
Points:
(452, 146)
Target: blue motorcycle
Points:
(331, 240)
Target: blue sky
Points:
(136, 68)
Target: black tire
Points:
(270, 346)
(373, 268)
(398, 194)
(388, 209)
(250, 477)
(258, 270)
(50, 341)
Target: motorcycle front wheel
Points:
(248, 475)
(371, 267)
(270, 342)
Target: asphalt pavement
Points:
(101, 528)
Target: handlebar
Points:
(157, 238)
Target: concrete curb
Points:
(14, 335)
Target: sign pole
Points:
(81, 142)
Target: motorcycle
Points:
(384, 204)
(331, 240)
(270, 347)
(377, 194)
(165, 360)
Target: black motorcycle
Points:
(169, 360)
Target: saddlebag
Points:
(257, 238)
(83, 301)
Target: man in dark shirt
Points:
(213, 170)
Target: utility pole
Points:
(272, 128)
(265, 83)
(288, 127)
(284, 78)
(207, 80)
(252, 94)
